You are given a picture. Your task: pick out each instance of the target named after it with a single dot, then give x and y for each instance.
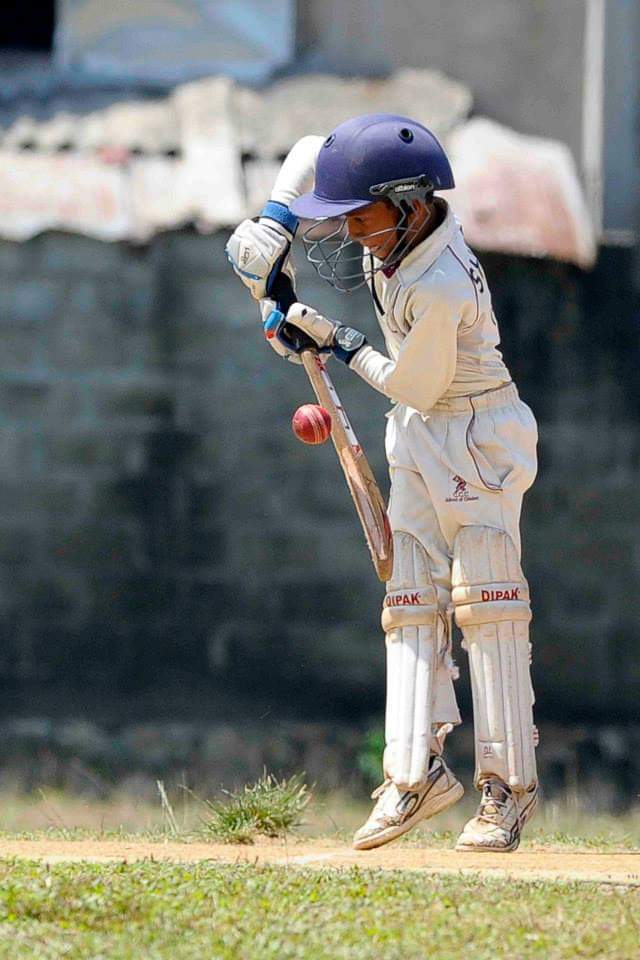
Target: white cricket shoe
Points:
(397, 811)
(498, 824)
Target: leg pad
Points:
(409, 620)
(491, 600)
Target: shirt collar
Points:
(427, 252)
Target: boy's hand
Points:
(344, 342)
(259, 251)
(321, 330)
(272, 319)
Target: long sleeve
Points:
(426, 360)
(297, 171)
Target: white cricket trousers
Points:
(468, 461)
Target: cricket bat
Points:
(366, 495)
(364, 490)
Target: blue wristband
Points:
(346, 343)
(281, 214)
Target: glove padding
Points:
(344, 342)
(257, 252)
(321, 330)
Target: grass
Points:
(268, 807)
(332, 817)
(162, 910)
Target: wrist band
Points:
(281, 214)
(346, 343)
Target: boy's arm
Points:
(258, 251)
(426, 361)
(296, 174)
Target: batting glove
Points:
(259, 251)
(344, 342)
(272, 319)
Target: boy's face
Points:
(374, 226)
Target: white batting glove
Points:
(259, 251)
(267, 309)
(344, 342)
(319, 328)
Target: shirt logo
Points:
(460, 492)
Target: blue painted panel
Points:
(171, 41)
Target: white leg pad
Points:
(445, 705)
(491, 600)
(410, 622)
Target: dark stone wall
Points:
(168, 549)
(572, 343)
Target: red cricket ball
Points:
(311, 423)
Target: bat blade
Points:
(364, 490)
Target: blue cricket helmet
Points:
(373, 156)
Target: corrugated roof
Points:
(208, 153)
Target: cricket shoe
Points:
(497, 826)
(398, 810)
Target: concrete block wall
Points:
(167, 548)
(571, 340)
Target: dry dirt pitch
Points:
(614, 868)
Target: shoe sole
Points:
(447, 799)
(482, 848)
(471, 848)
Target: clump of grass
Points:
(268, 807)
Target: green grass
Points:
(269, 807)
(158, 910)
(332, 817)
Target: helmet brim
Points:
(311, 207)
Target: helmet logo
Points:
(401, 186)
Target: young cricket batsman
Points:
(461, 447)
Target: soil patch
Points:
(615, 868)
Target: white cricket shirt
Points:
(438, 324)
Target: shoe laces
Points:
(496, 798)
(377, 793)
(383, 819)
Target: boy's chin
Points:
(378, 252)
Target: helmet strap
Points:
(409, 237)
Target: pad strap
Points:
(409, 607)
(491, 602)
